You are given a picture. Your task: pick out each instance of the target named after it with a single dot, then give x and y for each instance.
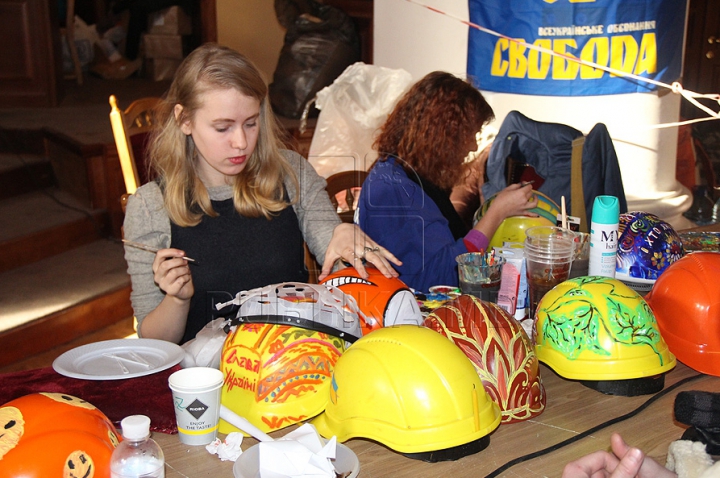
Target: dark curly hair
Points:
(428, 129)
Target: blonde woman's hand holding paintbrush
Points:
(171, 272)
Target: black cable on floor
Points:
(594, 429)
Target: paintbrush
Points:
(145, 247)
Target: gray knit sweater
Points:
(147, 222)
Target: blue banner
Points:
(640, 37)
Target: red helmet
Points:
(686, 302)
(500, 350)
(384, 301)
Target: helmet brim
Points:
(452, 454)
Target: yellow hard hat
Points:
(513, 228)
(277, 375)
(413, 390)
(279, 360)
(598, 329)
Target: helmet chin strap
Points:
(315, 307)
(293, 321)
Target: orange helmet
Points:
(501, 351)
(384, 301)
(54, 434)
(686, 302)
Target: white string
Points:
(676, 87)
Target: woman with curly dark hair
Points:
(405, 201)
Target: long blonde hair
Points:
(258, 189)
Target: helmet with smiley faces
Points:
(74, 438)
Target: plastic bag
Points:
(321, 41)
(206, 348)
(352, 109)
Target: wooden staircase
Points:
(62, 270)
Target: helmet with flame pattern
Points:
(500, 350)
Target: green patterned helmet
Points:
(601, 332)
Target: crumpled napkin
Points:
(300, 453)
(228, 450)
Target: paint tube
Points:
(513, 295)
(510, 279)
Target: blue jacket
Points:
(398, 215)
(548, 148)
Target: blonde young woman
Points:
(228, 196)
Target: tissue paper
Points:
(229, 450)
(300, 453)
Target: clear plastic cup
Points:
(549, 253)
(581, 256)
(479, 275)
(549, 238)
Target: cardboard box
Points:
(171, 21)
(164, 46)
(160, 69)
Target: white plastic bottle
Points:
(604, 236)
(138, 455)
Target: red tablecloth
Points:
(148, 395)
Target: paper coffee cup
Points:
(196, 395)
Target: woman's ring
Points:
(369, 249)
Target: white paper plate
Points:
(248, 466)
(118, 359)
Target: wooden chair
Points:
(348, 182)
(131, 128)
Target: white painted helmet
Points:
(311, 306)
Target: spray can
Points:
(604, 236)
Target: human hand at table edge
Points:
(624, 462)
(352, 245)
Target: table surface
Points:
(571, 410)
